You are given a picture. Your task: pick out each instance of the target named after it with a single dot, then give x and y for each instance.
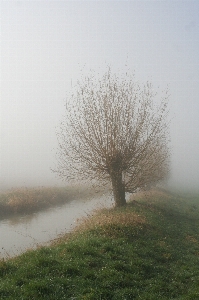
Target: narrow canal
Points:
(20, 233)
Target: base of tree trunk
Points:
(118, 191)
(120, 201)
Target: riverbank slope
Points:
(146, 250)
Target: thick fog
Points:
(47, 45)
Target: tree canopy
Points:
(114, 130)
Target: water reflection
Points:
(19, 233)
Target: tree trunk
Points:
(118, 189)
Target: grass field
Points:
(147, 250)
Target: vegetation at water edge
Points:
(28, 200)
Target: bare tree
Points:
(114, 132)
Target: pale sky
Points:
(46, 45)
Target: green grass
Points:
(29, 200)
(148, 250)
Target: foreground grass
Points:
(148, 250)
(29, 200)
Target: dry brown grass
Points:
(153, 194)
(106, 217)
(27, 200)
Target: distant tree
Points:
(115, 132)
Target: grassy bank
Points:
(148, 250)
(29, 200)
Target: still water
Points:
(20, 233)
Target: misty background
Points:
(47, 45)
